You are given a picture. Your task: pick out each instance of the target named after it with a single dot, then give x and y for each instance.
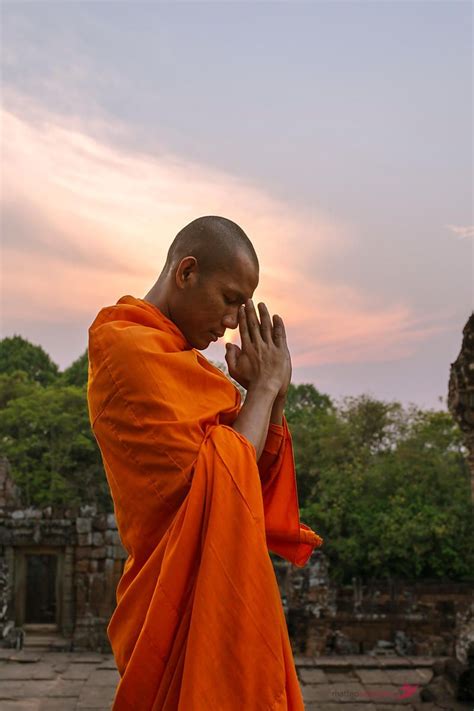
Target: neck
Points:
(158, 297)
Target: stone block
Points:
(83, 525)
(52, 704)
(99, 522)
(82, 566)
(83, 552)
(97, 538)
(104, 677)
(97, 590)
(404, 676)
(96, 697)
(312, 676)
(88, 510)
(33, 513)
(120, 552)
(373, 676)
(111, 522)
(320, 692)
(67, 688)
(15, 672)
(77, 672)
(23, 705)
(112, 537)
(100, 552)
(84, 539)
(344, 676)
(425, 674)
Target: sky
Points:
(337, 134)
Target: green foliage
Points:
(46, 436)
(16, 353)
(388, 488)
(393, 495)
(15, 384)
(77, 373)
(306, 411)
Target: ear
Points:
(186, 271)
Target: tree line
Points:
(387, 486)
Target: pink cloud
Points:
(91, 222)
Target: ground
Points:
(70, 681)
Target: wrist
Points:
(264, 388)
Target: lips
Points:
(215, 336)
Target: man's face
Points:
(210, 305)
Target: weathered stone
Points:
(404, 676)
(97, 538)
(99, 522)
(83, 525)
(17, 515)
(77, 671)
(373, 676)
(112, 537)
(104, 677)
(83, 552)
(111, 522)
(97, 697)
(88, 510)
(84, 539)
(100, 552)
(82, 566)
(312, 676)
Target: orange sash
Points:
(199, 624)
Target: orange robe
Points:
(199, 623)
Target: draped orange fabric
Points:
(199, 623)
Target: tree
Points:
(394, 501)
(46, 436)
(15, 384)
(16, 353)
(306, 411)
(77, 373)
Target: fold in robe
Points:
(199, 623)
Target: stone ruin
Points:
(59, 570)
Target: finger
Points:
(279, 333)
(231, 356)
(244, 329)
(265, 323)
(252, 321)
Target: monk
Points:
(203, 486)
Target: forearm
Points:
(276, 415)
(254, 416)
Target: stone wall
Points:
(90, 563)
(404, 617)
(424, 618)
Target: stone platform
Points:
(70, 681)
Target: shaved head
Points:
(214, 241)
(210, 270)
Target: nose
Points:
(231, 320)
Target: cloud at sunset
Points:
(462, 231)
(85, 222)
